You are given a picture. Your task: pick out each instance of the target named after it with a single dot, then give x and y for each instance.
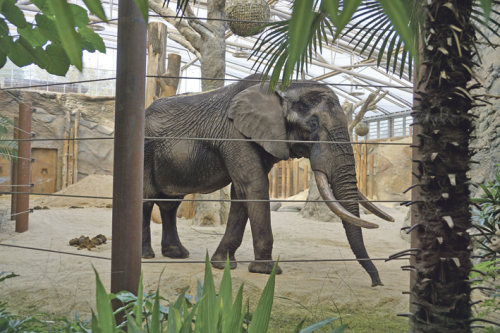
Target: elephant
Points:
(305, 111)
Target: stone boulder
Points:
(318, 211)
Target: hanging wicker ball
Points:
(247, 10)
(361, 129)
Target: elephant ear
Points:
(260, 115)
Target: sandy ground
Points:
(57, 284)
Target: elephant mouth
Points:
(340, 211)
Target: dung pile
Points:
(84, 242)
(93, 185)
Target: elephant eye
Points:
(313, 122)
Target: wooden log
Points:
(157, 50)
(275, 180)
(75, 147)
(13, 174)
(283, 178)
(295, 177)
(169, 86)
(288, 178)
(370, 192)
(357, 160)
(70, 157)
(65, 150)
(306, 177)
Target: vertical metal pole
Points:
(13, 175)
(23, 168)
(128, 149)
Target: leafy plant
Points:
(8, 149)
(211, 313)
(487, 217)
(53, 41)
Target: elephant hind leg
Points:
(147, 250)
(170, 243)
(231, 241)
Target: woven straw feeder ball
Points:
(247, 10)
(361, 129)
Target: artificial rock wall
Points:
(97, 120)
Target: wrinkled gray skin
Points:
(174, 168)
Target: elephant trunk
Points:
(344, 188)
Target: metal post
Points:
(128, 149)
(23, 168)
(13, 175)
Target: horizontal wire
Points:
(204, 78)
(22, 158)
(208, 200)
(26, 211)
(209, 19)
(30, 185)
(220, 139)
(180, 261)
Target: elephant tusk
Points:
(374, 209)
(344, 214)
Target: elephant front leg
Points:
(170, 243)
(147, 250)
(231, 241)
(260, 223)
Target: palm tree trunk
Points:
(441, 295)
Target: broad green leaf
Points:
(262, 315)
(208, 309)
(155, 317)
(144, 8)
(33, 36)
(340, 329)
(5, 43)
(340, 21)
(44, 6)
(399, 17)
(107, 321)
(93, 38)
(318, 325)
(174, 321)
(19, 54)
(79, 15)
(65, 25)
(300, 25)
(95, 8)
(226, 291)
(48, 28)
(138, 306)
(55, 60)
(299, 326)
(126, 296)
(132, 326)
(186, 326)
(13, 14)
(486, 5)
(4, 29)
(96, 328)
(232, 323)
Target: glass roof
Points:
(333, 56)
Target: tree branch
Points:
(369, 104)
(179, 39)
(200, 27)
(181, 25)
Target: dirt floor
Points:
(58, 284)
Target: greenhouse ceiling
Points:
(338, 63)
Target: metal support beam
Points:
(128, 149)
(23, 168)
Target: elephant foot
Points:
(263, 267)
(147, 252)
(374, 284)
(175, 251)
(221, 261)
